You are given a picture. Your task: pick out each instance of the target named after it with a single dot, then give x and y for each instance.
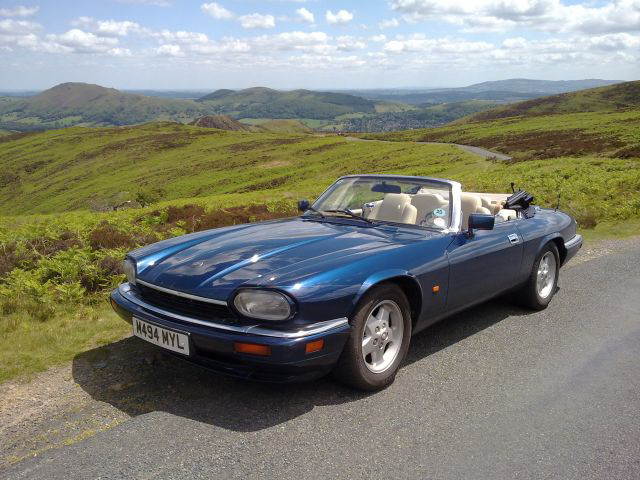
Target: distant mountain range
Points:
(70, 104)
(506, 91)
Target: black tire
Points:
(351, 369)
(528, 296)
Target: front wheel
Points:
(379, 340)
(542, 284)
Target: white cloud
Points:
(19, 11)
(257, 20)
(19, 34)
(305, 15)
(79, 41)
(155, 3)
(379, 38)
(18, 27)
(346, 43)
(423, 44)
(217, 11)
(543, 15)
(169, 50)
(183, 37)
(341, 17)
(107, 28)
(391, 23)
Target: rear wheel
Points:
(543, 281)
(379, 340)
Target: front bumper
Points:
(572, 247)
(212, 344)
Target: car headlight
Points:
(129, 267)
(263, 304)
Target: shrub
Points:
(108, 236)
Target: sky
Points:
(315, 44)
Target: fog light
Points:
(314, 346)
(252, 349)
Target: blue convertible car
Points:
(344, 286)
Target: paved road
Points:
(483, 152)
(495, 393)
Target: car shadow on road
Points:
(138, 378)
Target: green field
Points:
(61, 241)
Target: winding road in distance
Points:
(483, 152)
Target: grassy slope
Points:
(57, 269)
(74, 168)
(277, 125)
(602, 121)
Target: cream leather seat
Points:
(395, 207)
(505, 215)
(470, 204)
(426, 203)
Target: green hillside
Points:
(61, 243)
(603, 121)
(81, 168)
(260, 102)
(274, 125)
(603, 99)
(70, 104)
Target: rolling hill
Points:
(221, 122)
(70, 104)
(261, 102)
(603, 99)
(603, 121)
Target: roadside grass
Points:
(59, 260)
(29, 345)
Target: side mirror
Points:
(480, 221)
(303, 205)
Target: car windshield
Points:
(420, 202)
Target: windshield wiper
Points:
(311, 209)
(346, 211)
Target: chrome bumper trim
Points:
(181, 294)
(576, 240)
(320, 327)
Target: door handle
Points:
(514, 239)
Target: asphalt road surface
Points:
(494, 393)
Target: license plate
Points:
(169, 339)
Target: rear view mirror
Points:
(303, 205)
(386, 188)
(480, 221)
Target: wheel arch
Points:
(557, 239)
(403, 280)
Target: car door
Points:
(483, 265)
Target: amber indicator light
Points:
(435, 289)
(252, 348)
(314, 346)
